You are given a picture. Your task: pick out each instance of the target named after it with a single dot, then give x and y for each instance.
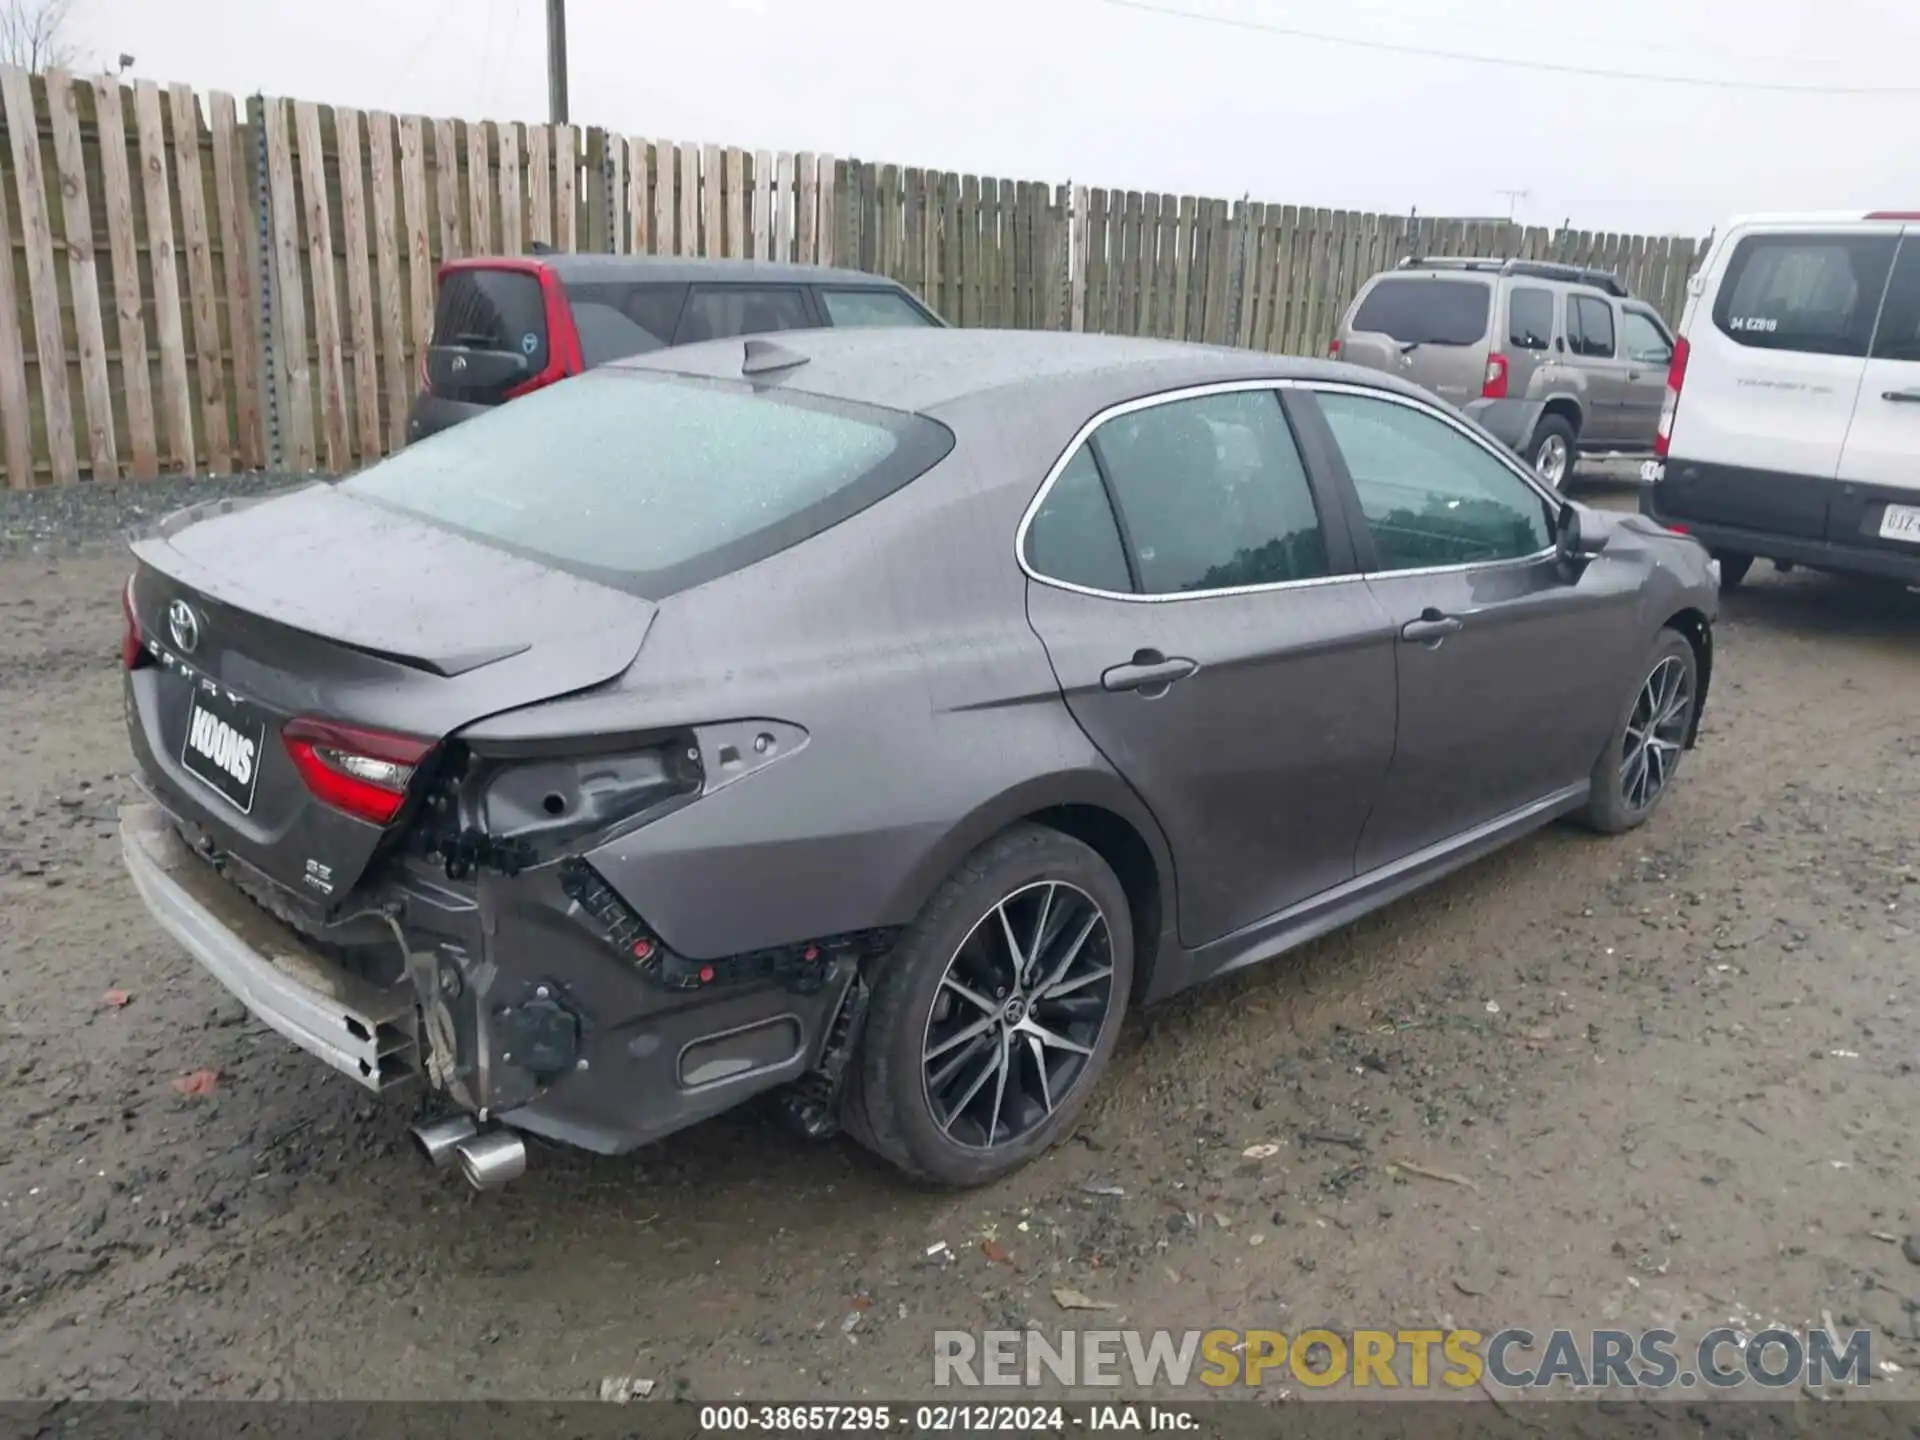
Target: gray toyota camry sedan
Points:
(870, 718)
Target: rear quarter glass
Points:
(660, 481)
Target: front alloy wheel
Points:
(1635, 771)
(1018, 1011)
(1656, 733)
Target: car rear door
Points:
(1777, 352)
(1593, 347)
(1510, 677)
(1877, 503)
(1197, 596)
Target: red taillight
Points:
(1894, 215)
(133, 650)
(363, 773)
(1493, 386)
(1670, 404)
(1333, 348)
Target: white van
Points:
(1791, 426)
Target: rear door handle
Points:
(1150, 672)
(1431, 628)
(1903, 397)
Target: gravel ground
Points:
(1662, 1079)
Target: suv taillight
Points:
(1670, 405)
(1333, 348)
(1493, 386)
(363, 773)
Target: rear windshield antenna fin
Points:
(763, 356)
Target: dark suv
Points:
(503, 326)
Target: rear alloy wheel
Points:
(994, 1017)
(1636, 770)
(1551, 453)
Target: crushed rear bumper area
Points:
(537, 1021)
(362, 1030)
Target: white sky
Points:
(1084, 89)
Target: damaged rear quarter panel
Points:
(898, 644)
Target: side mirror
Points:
(1574, 542)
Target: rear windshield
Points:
(1419, 311)
(654, 482)
(493, 310)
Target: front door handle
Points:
(1902, 397)
(1431, 628)
(1149, 672)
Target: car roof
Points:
(924, 369)
(684, 269)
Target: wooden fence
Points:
(194, 285)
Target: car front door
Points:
(1592, 349)
(1649, 351)
(1198, 597)
(1511, 676)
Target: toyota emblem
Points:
(183, 626)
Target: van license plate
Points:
(1901, 522)
(222, 748)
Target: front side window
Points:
(849, 309)
(1898, 337)
(1530, 318)
(720, 312)
(1816, 293)
(1212, 494)
(1430, 495)
(1646, 342)
(1590, 326)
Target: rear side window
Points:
(1590, 326)
(1898, 337)
(718, 312)
(1426, 312)
(1529, 318)
(502, 310)
(654, 482)
(1073, 536)
(1212, 494)
(1816, 293)
(851, 308)
(616, 320)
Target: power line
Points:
(1507, 62)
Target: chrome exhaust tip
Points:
(437, 1139)
(489, 1161)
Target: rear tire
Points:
(953, 995)
(1551, 453)
(1636, 769)
(1733, 567)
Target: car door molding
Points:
(1315, 483)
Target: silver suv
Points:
(1557, 360)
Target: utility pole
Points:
(557, 61)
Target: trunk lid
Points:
(319, 605)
